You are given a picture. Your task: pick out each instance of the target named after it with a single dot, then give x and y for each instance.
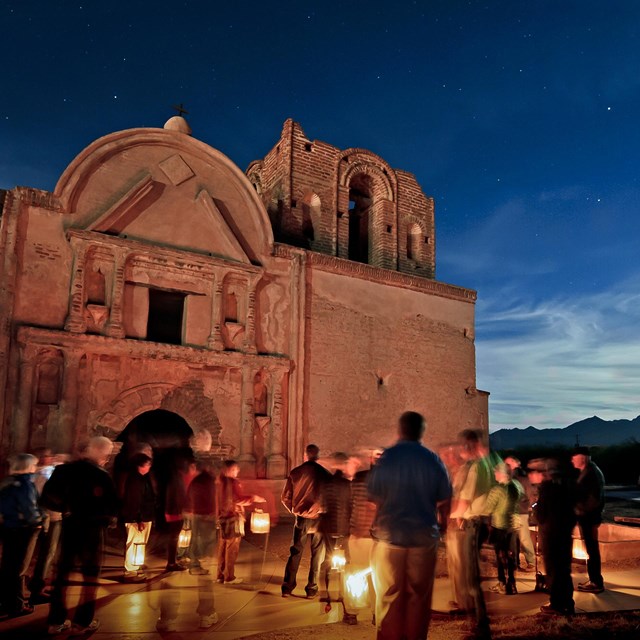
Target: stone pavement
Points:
(130, 612)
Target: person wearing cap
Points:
(555, 517)
(589, 507)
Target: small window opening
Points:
(166, 309)
(230, 307)
(294, 204)
(96, 287)
(389, 228)
(307, 146)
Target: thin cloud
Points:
(563, 359)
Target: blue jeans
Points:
(304, 528)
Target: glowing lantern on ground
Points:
(338, 559)
(184, 539)
(357, 588)
(260, 522)
(579, 551)
(139, 549)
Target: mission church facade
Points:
(159, 287)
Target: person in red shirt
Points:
(231, 503)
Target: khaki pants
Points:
(403, 579)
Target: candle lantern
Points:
(139, 549)
(338, 559)
(579, 551)
(184, 539)
(260, 522)
(357, 589)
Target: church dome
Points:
(179, 124)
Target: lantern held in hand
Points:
(139, 549)
(260, 522)
(184, 539)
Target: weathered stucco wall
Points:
(376, 351)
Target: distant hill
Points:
(589, 432)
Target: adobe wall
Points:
(376, 351)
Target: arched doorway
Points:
(168, 434)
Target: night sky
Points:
(519, 117)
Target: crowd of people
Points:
(389, 518)
(384, 518)
(55, 515)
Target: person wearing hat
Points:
(589, 507)
(556, 519)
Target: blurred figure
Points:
(334, 522)
(362, 515)
(555, 517)
(85, 495)
(411, 489)
(469, 510)
(589, 507)
(181, 471)
(231, 504)
(202, 512)
(137, 511)
(455, 533)
(524, 532)
(49, 535)
(303, 496)
(502, 505)
(22, 520)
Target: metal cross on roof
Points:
(180, 109)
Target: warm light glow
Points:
(338, 559)
(138, 553)
(260, 522)
(184, 539)
(579, 550)
(357, 588)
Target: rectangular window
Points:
(166, 310)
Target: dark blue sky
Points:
(519, 117)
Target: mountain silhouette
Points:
(590, 432)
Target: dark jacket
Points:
(335, 521)
(139, 498)
(590, 494)
(83, 491)
(19, 502)
(303, 493)
(201, 496)
(554, 509)
(363, 511)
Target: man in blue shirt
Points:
(411, 489)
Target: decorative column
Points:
(249, 342)
(75, 322)
(24, 400)
(247, 459)
(214, 340)
(115, 327)
(276, 461)
(64, 434)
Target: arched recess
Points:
(414, 242)
(311, 215)
(367, 189)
